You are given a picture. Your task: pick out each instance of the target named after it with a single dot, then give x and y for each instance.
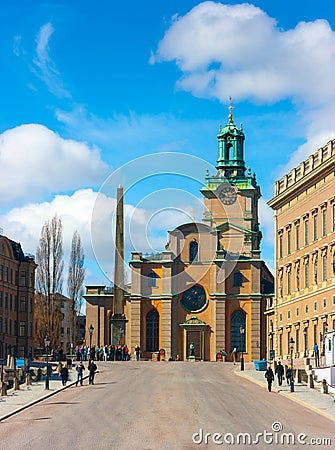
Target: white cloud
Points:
(143, 230)
(239, 50)
(35, 162)
(44, 66)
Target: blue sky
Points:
(89, 87)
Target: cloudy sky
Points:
(94, 93)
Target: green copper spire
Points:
(230, 148)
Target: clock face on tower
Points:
(227, 195)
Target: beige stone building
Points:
(209, 286)
(17, 285)
(304, 303)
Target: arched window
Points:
(238, 330)
(193, 251)
(152, 331)
(152, 277)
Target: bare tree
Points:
(49, 282)
(75, 281)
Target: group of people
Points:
(281, 372)
(105, 353)
(80, 368)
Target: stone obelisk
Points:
(118, 319)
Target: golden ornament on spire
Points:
(230, 117)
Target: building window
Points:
(288, 314)
(15, 327)
(11, 301)
(23, 304)
(0, 299)
(306, 231)
(306, 309)
(280, 245)
(297, 312)
(324, 267)
(288, 342)
(23, 278)
(280, 344)
(237, 279)
(6, 300)
(0, 324)
(288, 242)
(280, 317)
(324, 303)
(1, 272)
(306, 274)
(22, 329)
(31, 305)
(237, 324)
(315, 306)
(297, 340)
(152, 279)
(6, 273)
(15, 303)
(315, 332)
(61, 330)
(297, 236)
(334, 217)
(334, 302)
(289, 282)
(324, 222)
(315, 227)
(194, 251)
(152, 331)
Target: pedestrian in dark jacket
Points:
(64, 373)
(92, 369)
(288, 375)
(279, 372)
(270, 377)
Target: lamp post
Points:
(242, 331)
(90, 330)
(292, 377)
(47, 345)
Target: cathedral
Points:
(209, 286)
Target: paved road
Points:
(151, 405)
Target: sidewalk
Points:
(16, 401)
(311, 398)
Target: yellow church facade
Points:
(209, 287)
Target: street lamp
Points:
(291, 349)
(90, 330)
(242, 331)
(47, 345)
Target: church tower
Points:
(231, 195)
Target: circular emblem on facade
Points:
(194, 299)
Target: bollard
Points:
(310, 381)
(3, 389)
(28, 379)
(324, 387)
(16, 384)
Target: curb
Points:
(294, 399)
(39, 399)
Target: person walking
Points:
(288, 375)
(280, 373)
(80, 371)
(316, 355)
(64, 372)
(234, 355)
(137, 352)
(92, 369)
(269, 377)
